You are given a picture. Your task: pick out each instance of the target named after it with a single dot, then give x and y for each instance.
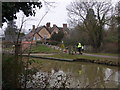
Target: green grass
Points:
(106, 54)
(8, 48)
(43, 49)
(67, 56)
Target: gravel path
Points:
(40, 54)
(86, 54)
(108, 62)
(104, 56)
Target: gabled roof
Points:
(50, 30)
(64, 29)
(40, 28)
(31, 34)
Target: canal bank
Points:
(98, 61)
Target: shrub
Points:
(11, 71)
(110, 48)
(54, 43)
(39, 42)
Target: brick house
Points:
(45, 32)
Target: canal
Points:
(80, 74)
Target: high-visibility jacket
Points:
(79, 45)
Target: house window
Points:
(39, 38)
(34, 38)
(45, 37)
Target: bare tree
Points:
(48, 5)
(79, 12)
(118, 19)
(10, 32)
(18, 51)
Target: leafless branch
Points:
(42, 18)
(79, 10)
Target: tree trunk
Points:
(16, 65)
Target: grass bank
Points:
(106, 54)
(68, 56)
(43, 49)
(81, 58)
(94, 59)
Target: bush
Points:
(11, 71)
(57, 36)
(110, 48)
(39, 42)
(54, 43)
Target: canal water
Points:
(78, 74)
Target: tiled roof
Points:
(40, 28)
(50, 30)
(31, 34)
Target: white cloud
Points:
(56, 15)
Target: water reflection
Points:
(79, 75)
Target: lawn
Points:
(43, 49)
(67, 56)
(46, 49)
(106, 54)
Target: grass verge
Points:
(106, 54)
(67, 56)
(43, 49)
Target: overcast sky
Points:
(57, 15)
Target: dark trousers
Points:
(79, 50)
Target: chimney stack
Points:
(54, 25)
(64, 25)
(33, 28)
(48, 24)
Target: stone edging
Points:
(51, 58)
(103, 62)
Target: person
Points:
(82, 48)
(79, 46)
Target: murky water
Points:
(81, 75)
